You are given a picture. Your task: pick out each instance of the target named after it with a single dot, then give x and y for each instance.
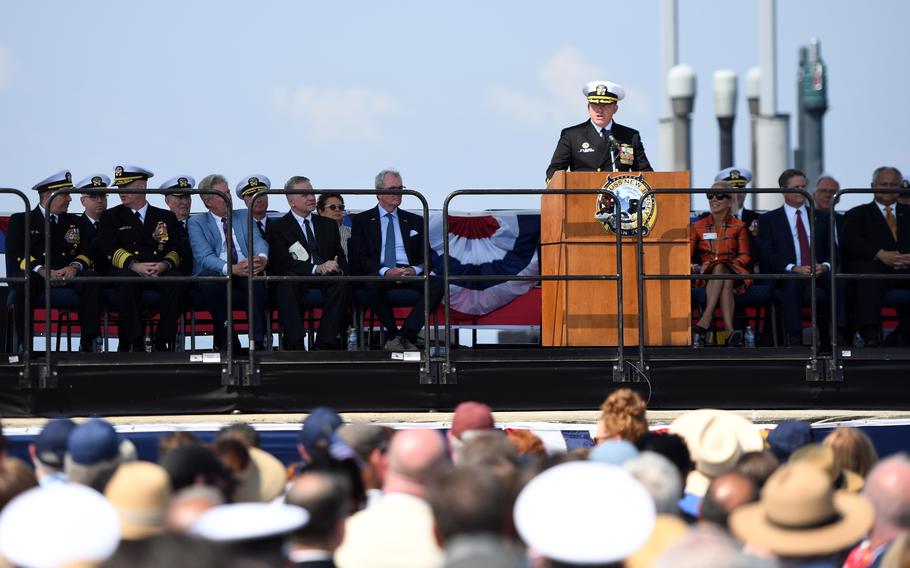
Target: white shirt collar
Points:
(142, 211)
(300, 219)
(383, 212)
(881, 208)
(609, 126)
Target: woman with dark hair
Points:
(331, 205)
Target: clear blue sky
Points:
(455, 95)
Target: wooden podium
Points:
(584, 312)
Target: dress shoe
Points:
(399, 343)
(87, 345)
(735, 339)
(416, 341)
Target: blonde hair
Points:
(853, 450)
(623, 415)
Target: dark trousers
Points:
(129, 303)
(337, 300)
(870, 294)
(796, 295)
(377, 294)
(214, 296)
(89, 308)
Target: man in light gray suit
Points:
(214, 254)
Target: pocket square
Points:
(413, 233)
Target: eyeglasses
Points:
(719, 196)
(335, 207)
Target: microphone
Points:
(614, 143)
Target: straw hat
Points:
(822, 455)
(801, 515)
(716, 440)
(140, 491)
(262, 480)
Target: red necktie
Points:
(803, 240)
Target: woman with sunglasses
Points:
(719, 244)
(331, 205)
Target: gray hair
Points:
(293, 180)
(824, 177)
(208, 181)
(704, 548)
(379, 182)
(881, 169)
(660, 477)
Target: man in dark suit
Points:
(69, 258)
(326, 497)
(876, 240)
(138, 240)
(303, 244)
(215, 255)
(388, 241)
(784, 241)
(599, 144)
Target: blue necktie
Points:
(390, 259)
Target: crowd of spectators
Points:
(709, 490)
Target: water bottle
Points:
(99, 344)
(147, 341)
(858, 340)
(352, 339)
(749, 337)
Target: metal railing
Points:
(25, 280)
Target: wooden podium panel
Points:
(584, 313)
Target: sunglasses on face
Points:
(719, 196)
(334, 207)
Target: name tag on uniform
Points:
(585, 147)
(125, 228)
(710, 236)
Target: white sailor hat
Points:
(124, 174)
(60, 180)
(603, 92)
(735, 176)
(61, 524)
(249, 521)
(179, 184)
(94, 181)
(252, 184)
(612, 513)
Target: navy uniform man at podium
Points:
(599, 144)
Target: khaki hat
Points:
(140, 491)
(801, 515)
(263, 479)
(822, 455)
(716, 440)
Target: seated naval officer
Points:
(178, 200)
(137, 239)
(69, 257)
(260, 208)
(600, 144)
(94, 203)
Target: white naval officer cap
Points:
(178, 184)
(252, 184)
(735, 176)
(603, 92)
(94, 181)
(125, 173)
(612, 514)
(60, 180)
(249, 521)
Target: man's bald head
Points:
(726, 493)
(888, 487)
(414, 457)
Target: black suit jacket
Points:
(365, 245)
(775, 240)
(67, 242)
(284, 232)
(582, 149)
(123, 238)
(865, 232)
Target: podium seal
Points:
(628, 189)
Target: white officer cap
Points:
(60, 180)
(603, 92)
(584, 513)
(249, 521)
(252, 184)
(124, 174)
(94, 181)
(735, 176)
(66, 523)
(179, 183)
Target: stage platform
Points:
(512, 379)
